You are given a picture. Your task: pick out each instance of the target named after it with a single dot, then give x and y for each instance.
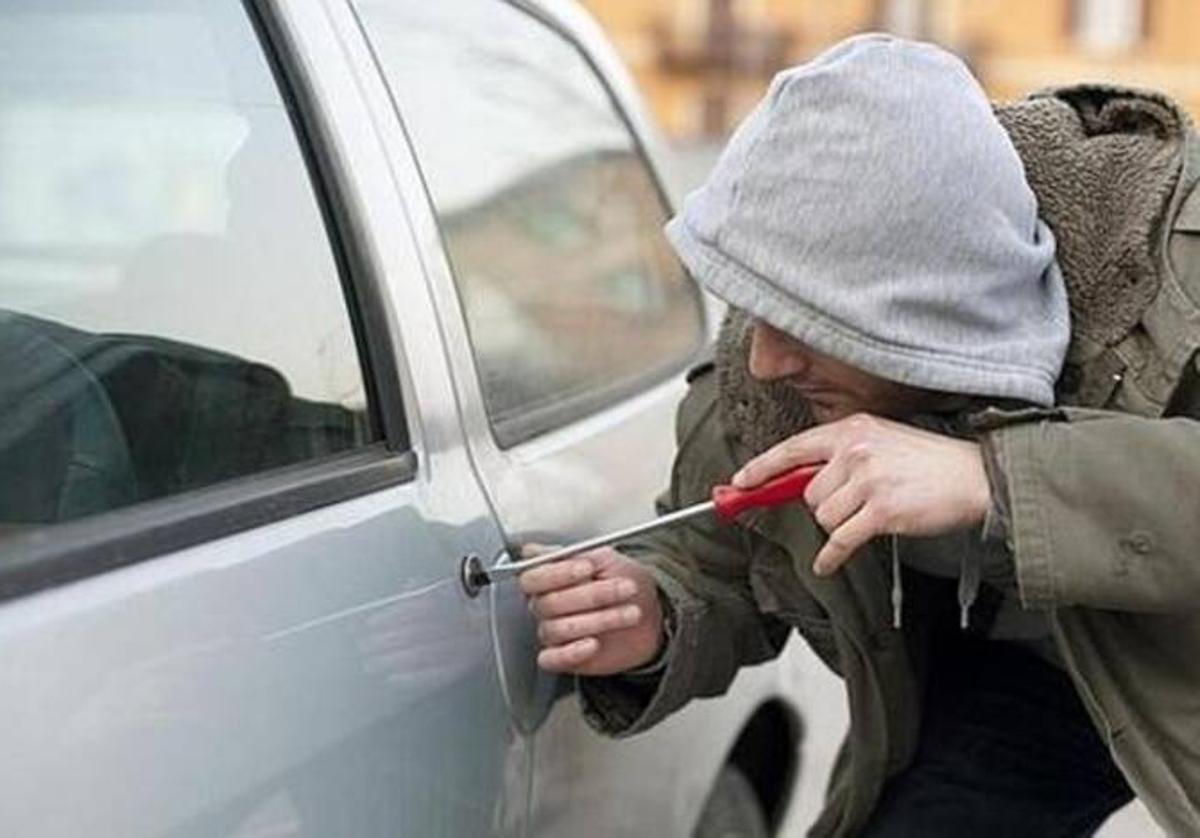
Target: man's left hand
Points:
(879, 477)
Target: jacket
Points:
(1102, 492)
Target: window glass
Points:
(1108, 25)
(171, 314)
(550, 217)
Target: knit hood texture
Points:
(873, 207)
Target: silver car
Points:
(302, 302)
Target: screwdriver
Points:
(727, 502)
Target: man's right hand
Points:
(598, 613)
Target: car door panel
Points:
(317, 661)
(323, 674)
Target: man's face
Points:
(833, 389)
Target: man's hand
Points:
(879, 477)
(598, 613)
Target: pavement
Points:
(823, 695)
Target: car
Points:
(303, 303)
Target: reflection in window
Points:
(551, 220)
(171, 314)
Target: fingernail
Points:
(819, 569)
(583, 570)
(631, 614)
(626, 588)
(739, 478)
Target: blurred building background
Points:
(704, 63)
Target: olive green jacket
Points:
(1104, 497)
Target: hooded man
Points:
(1011, 621)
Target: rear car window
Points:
(171, 312)
(551, 218)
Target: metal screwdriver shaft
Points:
(728, 502)
(516, 568)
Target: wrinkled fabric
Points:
(873, 207)
(1104, 165)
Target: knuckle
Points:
(531, 580)
(858, 422)
(824, 517)
(858, 453)
(581, 651)
(840, 544)
(576, 568)
(867, 422)
(554, 632)
(788, 448)
(556, 604)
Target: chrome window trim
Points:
(49, 556)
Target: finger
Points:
(844, 541)
(569, 657)
(840, 506)
(604, 559)
(591, 596)
(805, 448)
(533, 548)
(829, 479)
(551, 577)
(567, 629)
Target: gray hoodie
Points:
(873, 207)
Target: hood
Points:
(873, 207)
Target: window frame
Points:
(49, 556)
(580, 406)
(1077, 16)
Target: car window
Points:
(171, 310)
(551, 219)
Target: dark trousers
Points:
(1006, 749)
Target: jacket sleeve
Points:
(702, 569)
(1105, 510)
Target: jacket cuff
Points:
(1029, 531)
(623, 704)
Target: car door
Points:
(569, 323)
(569, 319)
(235, 493)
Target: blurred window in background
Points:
(1108, 25)
(171, 311)
(905, 18)
(550, 216)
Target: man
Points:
(899, 316)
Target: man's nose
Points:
(774, 355)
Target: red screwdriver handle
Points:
(731, 502)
